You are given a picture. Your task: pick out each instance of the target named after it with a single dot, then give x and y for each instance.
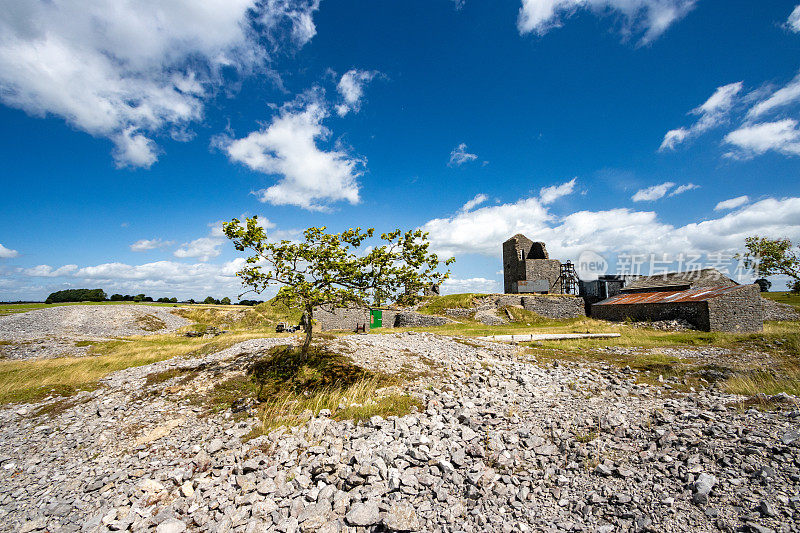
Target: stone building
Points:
(354, 318)
(732, 308)
(528, 268)
(678, 281)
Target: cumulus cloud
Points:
(131, 70)
(732, 203)
(460, 286)
(793, 23)
(648, 18)
(459, 4)
(167, 277)
(475, 202)
(781, 136)
(46, 271)
(204, 248)
(144, 245)
(460, 155)
(653, 193)
(351, 89)
(7, 253)
(548, 195)
(309, 177)
(616, 230)
(712, 113)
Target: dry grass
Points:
(766, 382)
(436, 305)
(150, 323)
(289, 390)
(27, 381)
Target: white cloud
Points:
(309, 177)
(612, 231)
(168, 278)
(712, 113)
(680, 189)
(351, 88)
(46, 271)
(732, 203)
(459, 156)
(130, 70)
(548, 195)
(781, 136)
(650, 18)
(794, 20)
(203, 249)
(784, 96)
(459, 4)
(7, 253)
(460, 286)
(652, 193)
(144, 245)
(475, 202)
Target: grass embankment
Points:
(28, 381)
(741, 372)
(288, 389)
(784, 298)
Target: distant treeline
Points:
(76, 295)
(98, 295)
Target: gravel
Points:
(503, 443)
(53, 331)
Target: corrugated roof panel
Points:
(690, 295)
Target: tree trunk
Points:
(307, 327)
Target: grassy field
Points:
(25, 381)
(784, 298)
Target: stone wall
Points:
(737, 311)
(555, 306)
(562, 306)
(406, 319)
(341, 318)
(696, 313)
(549, 269)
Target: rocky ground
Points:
(504, 443)
(54, 331)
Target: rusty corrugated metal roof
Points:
(699, 294)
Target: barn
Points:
(732, 308)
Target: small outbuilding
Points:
(732, 308)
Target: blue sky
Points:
(622, 127)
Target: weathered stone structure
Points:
(734, 308)
(550, 306)
(528, 263)
(341, 318)
(354, 317)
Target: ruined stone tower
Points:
(527, 267)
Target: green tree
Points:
(138, 298)
(210, 300)
(173, 300)
(225, 301)
(795, 287)
(76, 295)
(763, 284)
(332, 269)
(771, 257)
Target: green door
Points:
(376, 318)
